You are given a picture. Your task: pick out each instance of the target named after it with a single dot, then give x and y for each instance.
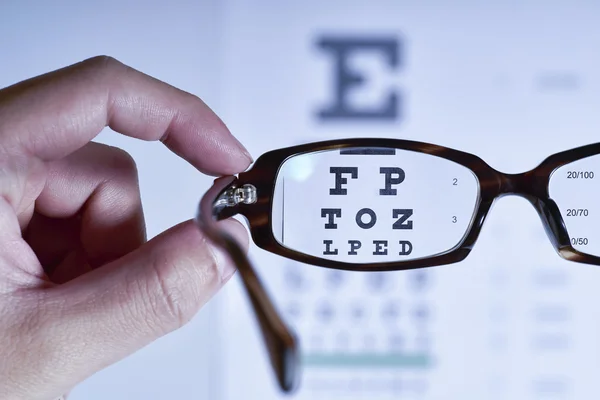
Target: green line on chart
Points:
(373, 360)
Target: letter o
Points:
(371, 222)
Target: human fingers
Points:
(54, 114)
(46, 118)
(103, 316)
(89, 212)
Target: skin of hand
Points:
(80, 285)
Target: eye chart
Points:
(511, 82)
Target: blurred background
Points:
(511, 81)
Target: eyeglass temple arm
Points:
(281, 343)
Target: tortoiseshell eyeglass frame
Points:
(250, 194)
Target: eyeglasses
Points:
(385, 205)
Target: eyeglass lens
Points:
(574, 188)
(370, 205)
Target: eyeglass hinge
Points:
(245, 194)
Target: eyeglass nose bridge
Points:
(533, 187)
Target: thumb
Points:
(119, 308)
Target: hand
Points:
(80, 288)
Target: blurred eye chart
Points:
(511, 82)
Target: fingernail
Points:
(244, 150)
(247, 154)
(225, 262)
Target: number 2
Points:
(455, 182)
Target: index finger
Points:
(57, 113)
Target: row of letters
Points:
(380, 247)
(392, 176)
(366, 218)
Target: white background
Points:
(473, 77)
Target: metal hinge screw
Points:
(244, 194)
